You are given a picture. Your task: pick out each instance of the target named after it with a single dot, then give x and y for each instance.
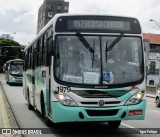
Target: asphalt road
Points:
(32, 119)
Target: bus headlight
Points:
(11, 77)
(136, 98)
(65, 100)
(61, 97)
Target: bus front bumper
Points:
(62, 113)
(16, 81)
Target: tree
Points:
(10, 52)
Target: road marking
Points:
(155, 111)
(127, 125)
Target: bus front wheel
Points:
(114, 124)
(157, 102)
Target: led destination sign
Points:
(17, 62)
(98, 24)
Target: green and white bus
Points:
(14, 71)
(68, 76)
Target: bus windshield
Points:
(16, 69)
(75, 63)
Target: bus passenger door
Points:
(33, 75)
(49, 63)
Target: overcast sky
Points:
(20, 16)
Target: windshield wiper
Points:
(84, 41)
(114, 42)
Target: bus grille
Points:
(95, 103)
(95, 96)
(102, 112)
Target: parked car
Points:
(158, 98)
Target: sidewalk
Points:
(150, 95)
(5, 121)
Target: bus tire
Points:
(30, 107)
(43, 112)
(42, 106)
(48, 122)
(157, 102)
(114, 124)
(7, 82)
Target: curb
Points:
(7, 119)
(4, 115)
(150, 96)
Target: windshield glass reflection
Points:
(16, 69)
(123, 62)
(75, 63)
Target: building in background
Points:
(48, 9)
(7, 36)
(153, 72)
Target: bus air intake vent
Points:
(95, 103)
(100, 94)
(102, 112)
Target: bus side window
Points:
(49, 46)
(44, 45)
(49, 50)
(27, 58)
(38, 55)
(40, 52)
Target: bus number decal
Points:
(63, 89)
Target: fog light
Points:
(67, 102)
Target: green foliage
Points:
(8, 42)
(13, 52)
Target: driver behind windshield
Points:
(114, 57)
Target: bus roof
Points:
(54, 19)
(14, 60)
